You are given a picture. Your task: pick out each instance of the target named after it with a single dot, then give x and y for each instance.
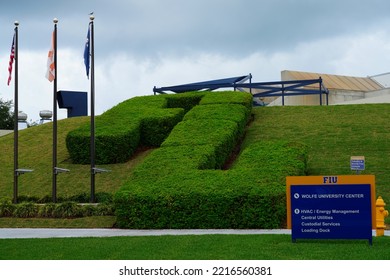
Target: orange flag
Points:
(50, 74)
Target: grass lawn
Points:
(35, 152)
(206, 247)
(332, 134)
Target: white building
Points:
(342, 89)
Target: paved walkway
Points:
(6, 233)
(53, 232)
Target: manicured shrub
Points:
(6, 208)
(113, 144)
(155, 127)
(228, 97)
(237, 198)
(68, 209)
(120, 130)
(230, 112)
(244, 197)
(173, 159)
(184, 100)
(170, 189)
(104, 209)
(88, 210)
(47, 210)
(220, 134)
(177, 185)
(26, 210)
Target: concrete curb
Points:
(12, 233)
(54, 233)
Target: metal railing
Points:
(264, 89)
(290, 88)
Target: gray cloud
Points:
(152, 27)
(141, 44)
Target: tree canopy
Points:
(6, 115)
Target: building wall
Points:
(335, 97)
(5, 132)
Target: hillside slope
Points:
(332, 135)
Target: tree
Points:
(6, 115)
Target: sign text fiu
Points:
(330, 179)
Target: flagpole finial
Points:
(16, 23)
(91, 17)
(55, 20)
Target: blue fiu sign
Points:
(330, 210)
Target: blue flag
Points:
(87, 51)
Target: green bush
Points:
(26, 210)
(104, 209)
(175, 187)
(244, 197)
(146, 120)
(88, 210)
(156, 126)
(113, 144)
(47, 210)
(176, 158)
(228, 97)
(138, 121)
(231, 112)
(100, 197)
(68, 209)
(221, 134)
(6, 208)
(184, 100)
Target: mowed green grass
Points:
(35, 152)
(332, 134)
(202, 247)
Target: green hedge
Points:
(157, 125)
(171, 183)
(221, 134)
(145, 120)
(229, 112)
(228, 97)
(68, 209)
(185, 100)
(176, 186)
(138, 121)
(247, 196)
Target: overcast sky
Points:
(144, 43)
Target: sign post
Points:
(331, 207)
(357, 163)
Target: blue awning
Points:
(206, 85)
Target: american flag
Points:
(11, 60)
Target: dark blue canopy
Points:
(206, 85)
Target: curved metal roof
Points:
(335, 82)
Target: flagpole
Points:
(92, 44)
(16, 113)
(54, 176)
